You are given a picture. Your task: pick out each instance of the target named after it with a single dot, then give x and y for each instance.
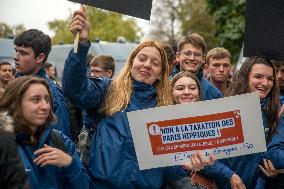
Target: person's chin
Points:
(191, 69)
(262, 95)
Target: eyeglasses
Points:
(195, 54)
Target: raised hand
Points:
(80, 23)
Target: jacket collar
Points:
(41, 73)
(199, 74)
(143, 90)
(20, 137)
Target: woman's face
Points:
(261, 80)
(185, 90)
(147, 65)
(35, 105)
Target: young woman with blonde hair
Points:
(142, 83)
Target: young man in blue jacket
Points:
(191, 54)
(32, 48)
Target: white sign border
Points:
(251, 116)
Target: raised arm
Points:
(82, 91)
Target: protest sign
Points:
(264, 29)
(136, 8)
(226, 127)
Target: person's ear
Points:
(177, 56)
(109, 74)
(206, 66)
(40, 58)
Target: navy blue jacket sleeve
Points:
(82, 91)
(219, 171)
(75, 174)
(174, 173)
(275, 149)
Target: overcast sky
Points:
(37, 13)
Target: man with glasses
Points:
(102, 66)
(191, 54)
(5, 74)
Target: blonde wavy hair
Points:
(120, 90)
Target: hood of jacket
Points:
(20, 137)
(6, 123)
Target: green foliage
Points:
(220, 22)
(62, 33)
(172, 19)
(7, 31)
(229, 18)
(194, 18)
(104, 25)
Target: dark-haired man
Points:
(32, 48)
(5, 74)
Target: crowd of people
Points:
(75, 133)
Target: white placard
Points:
(226, 127)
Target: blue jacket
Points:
(59, 105)
(113, 162)
(245, 166)
(275, 152)
(53, 177)
(281, 97)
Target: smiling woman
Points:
(186, 88)
(28, 101)
(142, 83)
(147, 65)
(255, 75)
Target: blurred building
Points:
(7, 50)
(118, 50)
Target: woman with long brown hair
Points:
(49, 157)
(255, 75)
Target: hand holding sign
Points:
(237, 182)
(80, 24)
(198, 161)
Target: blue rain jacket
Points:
(247, 166)
(113, 161)
(72, 176)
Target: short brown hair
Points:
(218, 53)
(5, 63)
(277, 64)
(106, 61)
(195, 39)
